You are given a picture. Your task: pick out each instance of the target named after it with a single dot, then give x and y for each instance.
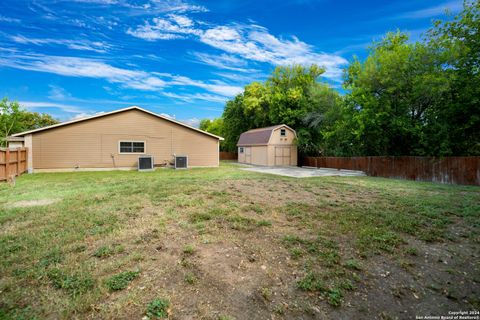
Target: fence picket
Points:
(452, 170)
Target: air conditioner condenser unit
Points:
(181, 162)
(145, 163)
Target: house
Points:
(115, 140)
(270, 146)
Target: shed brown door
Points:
(282, 156)
(248, 155)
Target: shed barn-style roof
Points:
(259, 136)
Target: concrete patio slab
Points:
(304, 172)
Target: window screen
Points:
(132, 147)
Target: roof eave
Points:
(251, 144)
(20, 134)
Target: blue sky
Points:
(180, 58)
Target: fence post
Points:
(7, 164)
(18, 161)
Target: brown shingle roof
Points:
(256, 136)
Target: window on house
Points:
(283, 132)
(240, 149)
(132, 147)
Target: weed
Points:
(347, 285)
(264, 223)
(107, 251)
(279, 309)
(240, 223)
(103, 252)
(412, 251)
(311, 282)
(53, 257)
(120, 281)
(188, 249)
(266, 293)
(75, 284)
(224, 317)
(190, 278)
(255, 208)
(352, 264)
(158, 308)
(334, 297)
(296, 253)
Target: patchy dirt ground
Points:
(33, 203)
(244, 246)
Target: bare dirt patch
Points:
(34, 203)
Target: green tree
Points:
(214, 126)
(457, 42)
(288, 96)
(14, 119)
(394, 95)
(10, 119)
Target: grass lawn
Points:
(222, 243)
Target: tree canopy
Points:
(14, 119)
(404, 98)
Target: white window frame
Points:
(285, 131)
(132, 141)
(240, 150)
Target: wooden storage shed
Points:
(116, 139)
(270, 146)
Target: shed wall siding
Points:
(259, 155)
(92, 143)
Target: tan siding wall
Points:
(241, 156)
(277, 140)
(91, 144)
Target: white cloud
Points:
(83, 115)
(216, 87)
(193, 122)
(255, 43)
(173, 26)
(223, 61)
(178, 6)
(242, 78)
(39, 104)
(187, 97)
(105, 2)
(58, 93)
(452, 6)
(91, 68)
(180, 20)
(249, 42)
(85, 45)
(167, 115)
(8, 19)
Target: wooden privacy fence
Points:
(228, 155)
(455, 170)
(13, 162)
